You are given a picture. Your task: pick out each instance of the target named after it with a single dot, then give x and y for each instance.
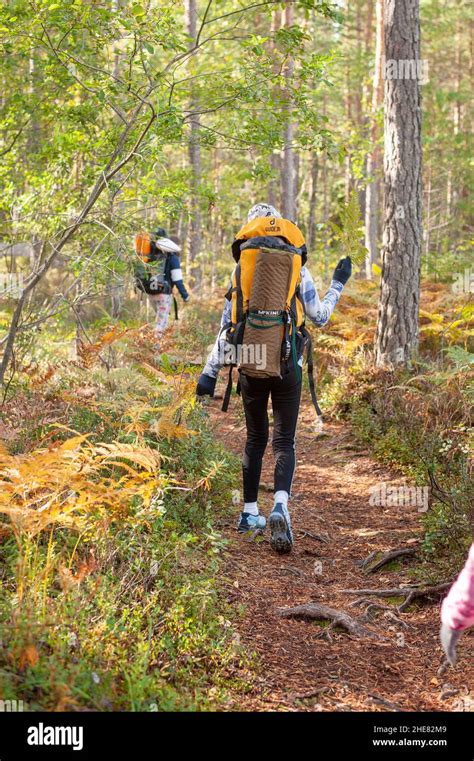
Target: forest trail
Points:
(300, 670)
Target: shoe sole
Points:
(279, 539)
(251, 529)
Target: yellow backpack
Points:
(267, 315)
(143, 246)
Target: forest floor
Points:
(302, 666)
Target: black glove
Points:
(206, 385)
(449, 639)
(343, 270)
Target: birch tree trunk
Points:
(397, 326)
(373, 158)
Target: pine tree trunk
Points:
(348, 97)
(326, 215)
(373, 158)
(288, 165)
(397, 326)
(427, 218)
(273, 185)
(275, 157)
(194, 152)
(311, 236)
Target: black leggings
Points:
(286, 394)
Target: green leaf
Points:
(138, 10)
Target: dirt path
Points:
(298, 668)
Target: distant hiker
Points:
(263, 334)
(457, 610)
(157, 271)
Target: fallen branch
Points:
(383, 702)
(311, 694)
(409, 593)
(316, 537)
(312, 611)
(290, 569)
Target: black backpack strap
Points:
(238, 286)
(309, 359)
(228, 391)
(298, 370)
(286, 343)
(225, 327)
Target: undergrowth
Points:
(111, 595)
(419, 421)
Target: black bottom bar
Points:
(152, 735)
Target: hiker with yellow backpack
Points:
(157, 271)
(263, 334)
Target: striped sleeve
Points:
(318, 310)
(176, 275)
(214, 360)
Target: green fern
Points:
(348, 235)
(461, 358)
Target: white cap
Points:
(262, 210)
(168, 246)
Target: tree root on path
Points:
(409, 593)
(376, 606)
(312, 611)
(364, 563)
(387, 558)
